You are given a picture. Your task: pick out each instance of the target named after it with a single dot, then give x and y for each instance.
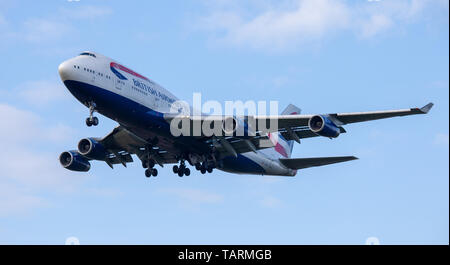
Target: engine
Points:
(92, 149)
(72, 160)
(237, 127)
(323, 126)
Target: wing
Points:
(121, 143)
(293, 121)
(300, 163)
(291, 127)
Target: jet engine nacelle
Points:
(74, 161)
(92, 149)
(323, 126)
(234, 126)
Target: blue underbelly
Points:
(240, 164)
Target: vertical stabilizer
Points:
(282, 146)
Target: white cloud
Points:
(86, 12)
(376, 24)
(21, 126)
(287, 24)
(34, 169)
(378, 17)
(54, 27)
(26, 169)
(276, 28)
(39, 30)
(17, 125)
(42, 92)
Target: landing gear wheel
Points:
(154, 172)
(91, 121)
(203, 170)
(181, 169)
(198, 166)
(148, 172)
(209, 169)
(150, 163)
(144, 164)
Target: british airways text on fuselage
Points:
(152, 91)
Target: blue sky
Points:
(324, 56)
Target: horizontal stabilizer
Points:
(300, 163)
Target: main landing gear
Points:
(91, 120)
(204, 167)
(150, 170)
(181, 170)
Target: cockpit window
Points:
(88, 54)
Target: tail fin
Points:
(291, 110)
(282, 146)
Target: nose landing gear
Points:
(91, 120)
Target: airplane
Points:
(144, 111)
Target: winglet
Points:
(425, 109)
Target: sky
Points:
(323, 56)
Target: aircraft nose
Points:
(64, 70)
